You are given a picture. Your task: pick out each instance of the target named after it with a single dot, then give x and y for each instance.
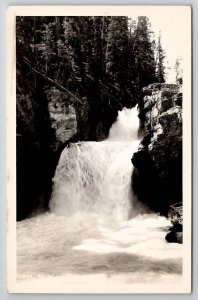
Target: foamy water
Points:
(96, 226)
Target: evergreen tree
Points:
(73, 40)
(116, 55)
(178, 71)
(144, 54)
(118, 58)
(160, 56)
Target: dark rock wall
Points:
(47, 121)
(36, 158)
(157, 176)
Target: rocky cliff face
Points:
(37, 145)
(157, 176)
(48, 120)
(62, 116)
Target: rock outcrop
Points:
(62, 117)
(175, 214)
(157, 176)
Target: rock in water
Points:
(175, 214)
(174, 237)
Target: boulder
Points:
(174, 237)
(175, 214)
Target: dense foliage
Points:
(106, 54)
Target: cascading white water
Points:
(96, 176)
(94, 231)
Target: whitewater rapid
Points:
(96, 225)
(95, 177)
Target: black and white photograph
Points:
(99, 154)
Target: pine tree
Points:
(118, 58)
(160, 56)
(144, 54)
(178, 71)
(73, 48)
(25, 37)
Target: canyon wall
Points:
(157, 176)
(48, 119)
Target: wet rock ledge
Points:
(175, 214)
(157, 176)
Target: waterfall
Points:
(94, 231)
(95, 177)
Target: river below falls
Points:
(51, 246)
